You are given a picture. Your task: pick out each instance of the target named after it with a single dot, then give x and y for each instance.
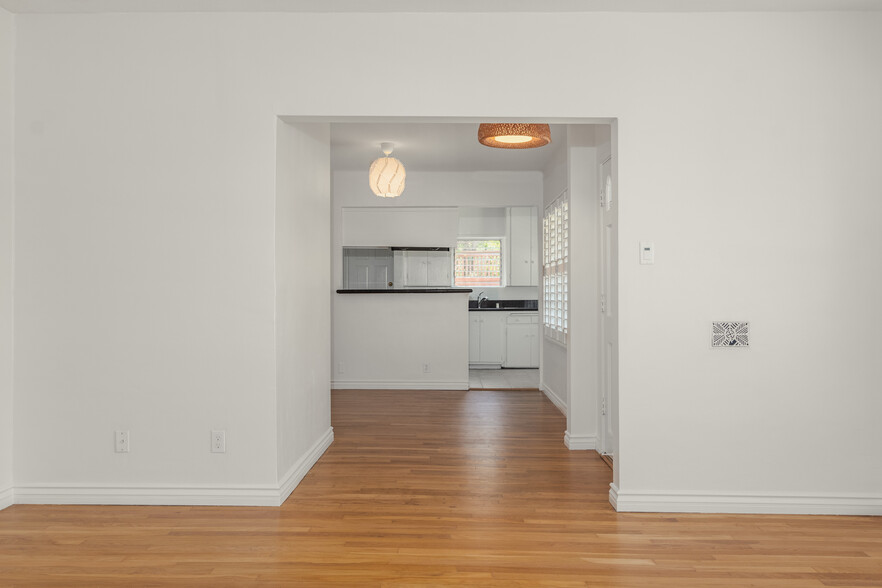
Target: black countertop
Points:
(408, 291)
(526, 305)
(506, 309)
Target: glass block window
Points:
(555, 268)
(478, 263)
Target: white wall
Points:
(384, 340)
(7, 46)
(399, 227)
(303, 307)
(583, 357)
(144, 272)
(145, 293)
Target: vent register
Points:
(730, 334)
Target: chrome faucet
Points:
(480, 300)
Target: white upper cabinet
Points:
(427, 268)
(438, 268)
(523, 239)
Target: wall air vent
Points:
(730, 334)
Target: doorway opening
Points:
(576, 371)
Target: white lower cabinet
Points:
(486, 337)
(474, 337)
(507, 339)
(522, 341)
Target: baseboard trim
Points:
(614, 496)
(7, 498)
(580, 442)
(554, 398)
(297, 472)
(189, 495)
(167, 495)
(399, 385)
(746, 503)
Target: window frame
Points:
(555, 269)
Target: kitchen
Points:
(426, 334)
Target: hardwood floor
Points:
(437, 489)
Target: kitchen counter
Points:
(504, 309)
(508, 305)
(407, 291)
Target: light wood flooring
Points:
(437, 489)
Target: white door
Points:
(609, 368)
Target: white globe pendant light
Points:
(386, 176)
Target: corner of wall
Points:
(555, 398)
(301, 467)
(7, 253)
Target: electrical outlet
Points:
(122, 441)
(218, 441)
(340, 367)
(427, 369)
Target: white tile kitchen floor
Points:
(506, 379)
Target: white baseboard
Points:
(160, 494)
(7, 498)
(294, 475)
(189, 495)
(614, 496)
(579, 442)
(399, 385)
(746, 503)
(554, 398)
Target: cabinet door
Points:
(523, 244)
(534, 249)
(475, 337)
(438, 268)
(534, 347)
(518, 345)
(492, 338)
(417, 271)
(519, 242)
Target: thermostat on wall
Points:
(647, 253)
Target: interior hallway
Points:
(436, 488)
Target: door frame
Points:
(594, 316)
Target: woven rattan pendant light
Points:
(514, 135)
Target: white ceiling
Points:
(433, 147)
(71, 6)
